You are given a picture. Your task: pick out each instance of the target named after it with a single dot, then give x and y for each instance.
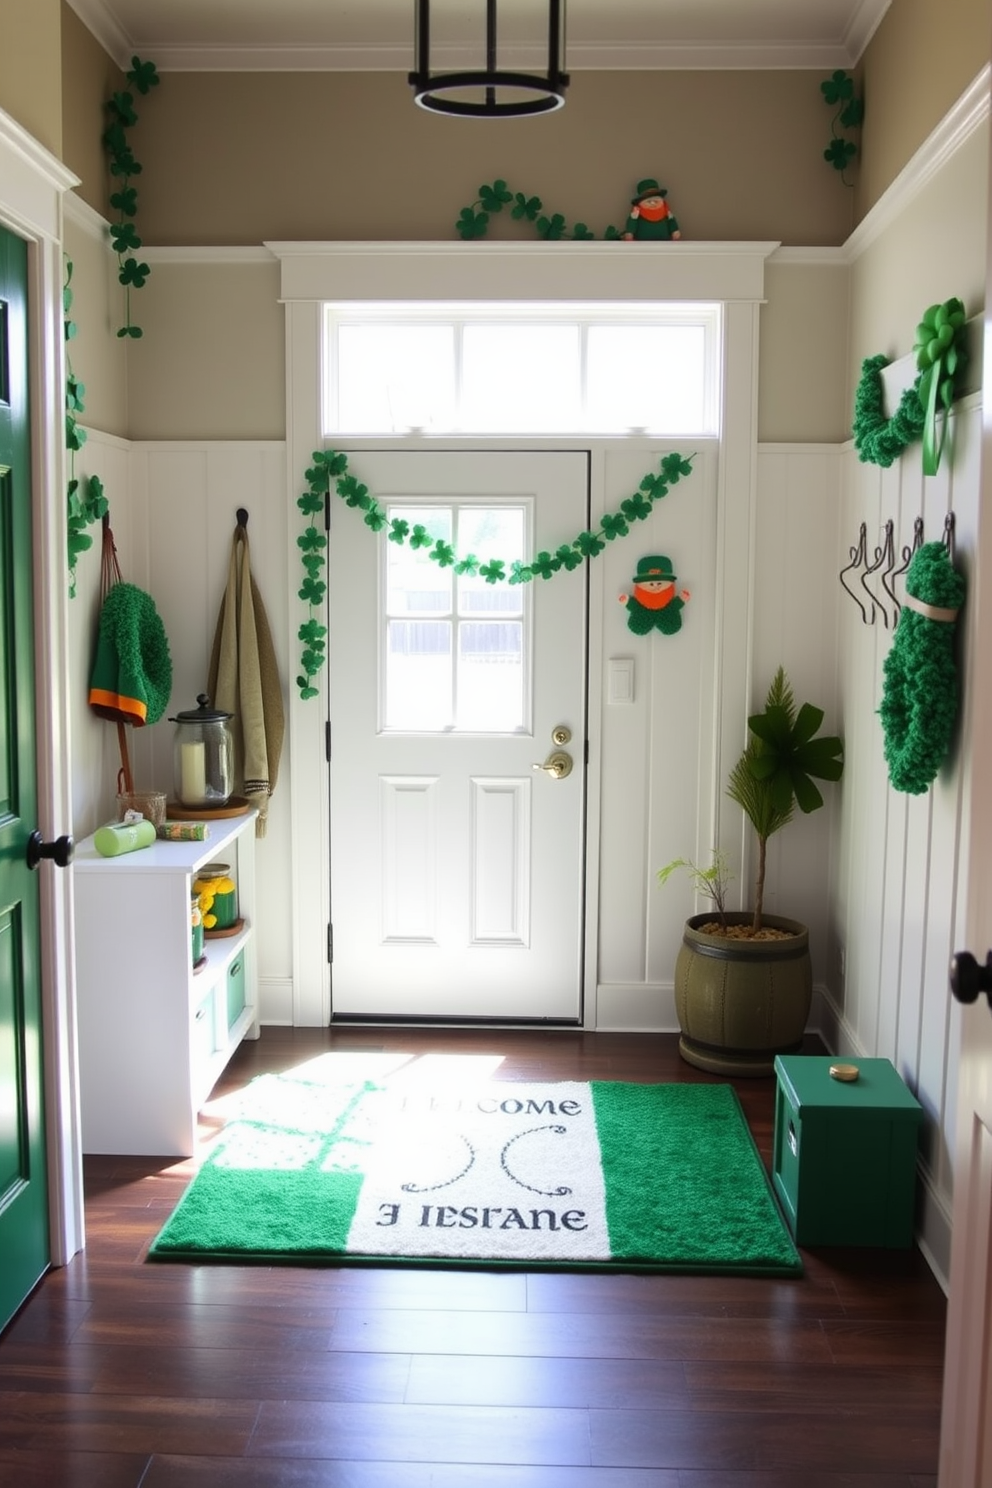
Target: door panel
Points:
(24, 1250)
(456, 861)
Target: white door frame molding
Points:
(311, 273)
(32, 186)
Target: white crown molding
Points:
(214, 256)
(704, 56)
(863, 26)
(109, 33)
(969, 114)
(695, 56)
(85, 217)
(810, 258)
(16, 141)
(218, 57)
(647, 56)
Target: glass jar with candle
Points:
(203, 756)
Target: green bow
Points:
(940, 355)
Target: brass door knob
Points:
(558, 764)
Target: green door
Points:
(24, 1252)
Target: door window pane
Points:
(455, 648)
(418, 674)
(415, 585)
(490, 676)
(490, 532)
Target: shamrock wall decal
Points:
(838, 92)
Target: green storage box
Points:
(235, 990)
(844, 1153)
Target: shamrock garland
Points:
(838, 92)
(940, 357)
(473, 221)
(121, 117)
(85, 500)
(330, 468)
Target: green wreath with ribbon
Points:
(940, 355)
(920, 690)
(330, 472)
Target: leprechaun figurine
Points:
(654, 604)
(650, 216)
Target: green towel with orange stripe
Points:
(131, 678)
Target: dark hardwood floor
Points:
(117, 1374)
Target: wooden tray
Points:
(234, 929)
(236, 806)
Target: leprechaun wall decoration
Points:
(650, 215)
(654, 603)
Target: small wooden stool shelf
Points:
(844, 1152)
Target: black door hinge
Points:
(327, 740)
(330, 944)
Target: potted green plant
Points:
(743, 982)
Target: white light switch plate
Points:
(620, 679)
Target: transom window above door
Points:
(526, 369)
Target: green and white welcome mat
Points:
(602, 1174)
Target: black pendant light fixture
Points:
(492, 92)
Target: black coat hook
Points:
(859, 556)
(881, 556)
(242, 515)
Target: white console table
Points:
(155, 1034)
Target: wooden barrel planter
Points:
(741, 1002)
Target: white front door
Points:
(456, 865)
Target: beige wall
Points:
(241, 158)
(31, 68)
(921, 58)
(89, 78)
(802, 394)
(212, 361)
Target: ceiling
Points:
(374, 35)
